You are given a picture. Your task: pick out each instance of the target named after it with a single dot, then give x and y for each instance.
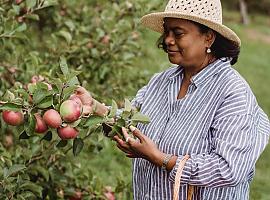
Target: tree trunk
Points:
(244, 12)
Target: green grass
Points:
(253, 64)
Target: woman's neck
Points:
(190, 71)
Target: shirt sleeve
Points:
(139, 98)
(237, 142)
(141, 94)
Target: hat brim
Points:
(154, 21)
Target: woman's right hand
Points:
(90, 105)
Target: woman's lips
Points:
(170, 52)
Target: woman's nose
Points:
(169, 38)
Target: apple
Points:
(105, 39)
(52, 118)
(41, 126)
(18, 1)
(76, 196)
(67, 132)
(76, 99)
(70, 111)
(13, 118)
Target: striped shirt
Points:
(218, 123)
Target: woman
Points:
(202, 108)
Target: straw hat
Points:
(206, 12)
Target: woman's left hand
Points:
(141, 147)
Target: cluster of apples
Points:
(70, 111)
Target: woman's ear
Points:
(210, 38)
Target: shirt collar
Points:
(209, 71)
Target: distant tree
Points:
(244, 12)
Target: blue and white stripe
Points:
(218, 123)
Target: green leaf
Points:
(14, 169)
(11, 106)
(48, 136)
(73, 74)
(125, 114)
(24, 93)
(73, 82)
(66, 35)
(77, 146)
(8, 96)
(58, 83)
(21, 28)
(121, 122)
(41, 170)
(24, 136)
(139, 117)
(62, 143)
(32, 88)
(116, 130)
(64, 66)
(29, 127)
(48, 3)
(33, 187)
(68, 91)
(31, 3)
(26, 195)
(32, 16)
(46, 102)
(113, 109)
(76, 123)
(128, 105)
(38, 96)
(93, 120)
(16, 8)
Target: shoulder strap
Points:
(178, 178)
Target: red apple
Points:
(76, 196)
(13, 118)
(18, 1)
(67, 132)
(106, 39)
(52, 118)
(75, 98)
(70, 111)
(41, 126)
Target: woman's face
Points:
(186, 45)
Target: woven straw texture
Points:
(207, 12)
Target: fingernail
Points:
(132, 128)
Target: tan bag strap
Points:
(178, 178)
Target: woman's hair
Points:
(222, 47)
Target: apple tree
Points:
(49, 47)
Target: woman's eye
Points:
(178, 34)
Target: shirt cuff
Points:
(186, 170)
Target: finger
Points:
(122, 143)
(124, 149)
(125, 133)
(118, 139)
(137, 133)
(84, 96)
(131, 155)
(128, 138)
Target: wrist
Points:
(157, 158)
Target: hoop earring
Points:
(208, 50)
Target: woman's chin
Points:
(174, 60)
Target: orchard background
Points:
(104, 41)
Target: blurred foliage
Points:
(258, 6)
(98, 37)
